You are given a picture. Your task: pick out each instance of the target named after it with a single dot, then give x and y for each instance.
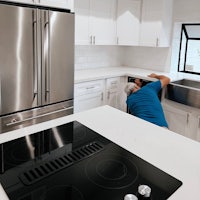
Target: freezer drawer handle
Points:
(13, 122)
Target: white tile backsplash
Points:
(87, 57)
(148, 58)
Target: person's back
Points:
(144, 102)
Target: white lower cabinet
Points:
(115, 95)
(194, 130)
(92, 94)
(112, 92)
(183, 120)
(177, 119)
(88, 95)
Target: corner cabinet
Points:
(128, 22)
(156, 23)
(95, 22)
(66, 4)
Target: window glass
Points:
(189, 52)
(193, 56)
(182, 52)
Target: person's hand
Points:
(153, 75)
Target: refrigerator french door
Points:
(36, 62)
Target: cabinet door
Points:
(112, 98)
(194, 129)
(86, 102)
(112, 92)
(178, 120)
(128, 22)
(198, 129)
(23, 1)
(103, 21)
(66, 4)
(82, 13)
(88, 95)
(156, 23)
(55, 3)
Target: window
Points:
(189, 52)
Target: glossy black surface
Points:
(84, 166)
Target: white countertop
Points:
(108, 72)
(173, 153)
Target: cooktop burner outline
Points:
(124, 172)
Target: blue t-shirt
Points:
(146, 105)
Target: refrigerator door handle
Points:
(35, 58)
(46, 55)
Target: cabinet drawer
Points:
(112, 83)
(88, 88)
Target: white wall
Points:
(187, 10)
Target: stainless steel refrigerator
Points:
(36, 64)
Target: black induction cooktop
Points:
(72, 162)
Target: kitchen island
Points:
(172, 153)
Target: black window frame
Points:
(183, 29)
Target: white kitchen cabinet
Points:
(23, 1)
(183, 119)
(66, 4)
(88, 95)
(82, 18)
(95, 22)
(194, 129)
(112, 97)
(156, 23)
(128, 22)
(178, 120)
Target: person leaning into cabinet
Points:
(143, 102)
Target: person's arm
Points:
(163, 79)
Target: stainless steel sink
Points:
(188, 83)
(184, 91)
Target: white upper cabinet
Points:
(128, 22)
(23, 1)
(82, 13)
(103, 21)
(95, 22)
(66, 4)
(156, 23)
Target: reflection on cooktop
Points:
(61, 192)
